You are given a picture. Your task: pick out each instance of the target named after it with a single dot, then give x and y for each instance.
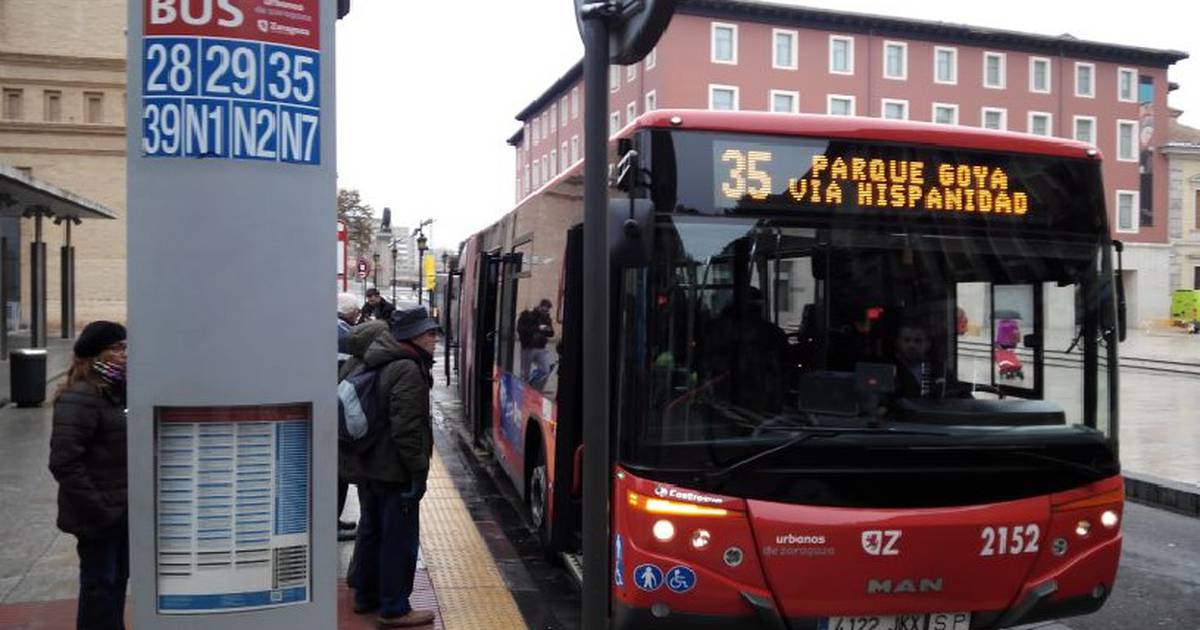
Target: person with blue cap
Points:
(391, 471)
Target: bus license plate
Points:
(931, 621)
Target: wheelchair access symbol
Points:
(681, 579)
(648, 577)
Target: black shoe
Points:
(346, 524)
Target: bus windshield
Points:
(746, 330)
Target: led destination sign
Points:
(792, 175)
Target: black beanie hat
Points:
(97, 336)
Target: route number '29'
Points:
(999, 541)
(745, 178)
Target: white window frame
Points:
(574, 149)
(528, 179)
(830, 98)
(1133, 141)
(883, 105)
(536, 136)
(614, 78)
(537, 180)
(1075, 120)
(903, 46)
(562, 111)
(934, 109)
(553, 163)
(614, 123)
(652, 58)
(795, 96)
(631, 111)
(575, 102)
(631, 72)
(712, 43)
(713, 87)
(1135, 211)
(794, 62)
(1091, 83)
(563, 162)
(545, 169)
(650, 102)
(1049, 123)
(1003, 69)
(552, 117)
(849, 54)
(983, 112)
(1033, 61)
(953, 80)
(1133, 85)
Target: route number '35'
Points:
(1000, 541)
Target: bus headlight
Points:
(700, 538)
(1109, 519)
(663, 530)
(1082, 528)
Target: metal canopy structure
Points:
(23, 196)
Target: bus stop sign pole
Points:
(613, 32)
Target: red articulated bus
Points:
(810, 428)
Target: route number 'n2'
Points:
(1000, 541)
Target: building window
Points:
(1126, 82)
(894, 109)
(840, 105)
(552, 117)
(563, 157)
(630, 111)
(651, 101)
(1085, 79)
(652, 58)
(534, 135)
(945, 65)
(545, 169)
(895, 60)
(783, 54)
(13, 106)
(547, 125)
(1127, 211)
(614, 78)
(562, 112)
(722, 97)
(574, 149)
(1039, 124)
(945, 114)
(574, 102)
(724, 43)
(1196, 213)
(785, 102)
(994, 71)
(527, 179)
(841, 54)
(631, 73)
(553, 163)
(994, 118)
(93, 107)
(1127, 140)
(614, 123)
(52, 106)
(1039, 75)
(537, 181)
(1085, 129)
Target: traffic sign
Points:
(364, 269)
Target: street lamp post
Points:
(393, 271)
(421, 244)
(375, 270)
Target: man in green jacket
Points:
(390, 472)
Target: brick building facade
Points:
(733, 54)
(62, 121)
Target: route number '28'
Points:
(999, 541)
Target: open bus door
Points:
(488, 290)
(568, 484)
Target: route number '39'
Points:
(1000, 541)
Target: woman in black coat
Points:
(87, 457)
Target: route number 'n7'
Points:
(1000, 541)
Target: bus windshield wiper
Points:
(803, 435)
(1051, 459)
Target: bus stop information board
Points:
(232, 79)
(232, 498)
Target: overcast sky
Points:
(427, 91)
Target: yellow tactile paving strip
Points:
(470, 591)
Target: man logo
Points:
(881, 542)
(920, 585)
(264, 25)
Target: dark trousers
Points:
(103, 573)
(385, 552)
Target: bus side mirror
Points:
(630, 232)
(1120, 286)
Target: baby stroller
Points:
(1008, 335)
